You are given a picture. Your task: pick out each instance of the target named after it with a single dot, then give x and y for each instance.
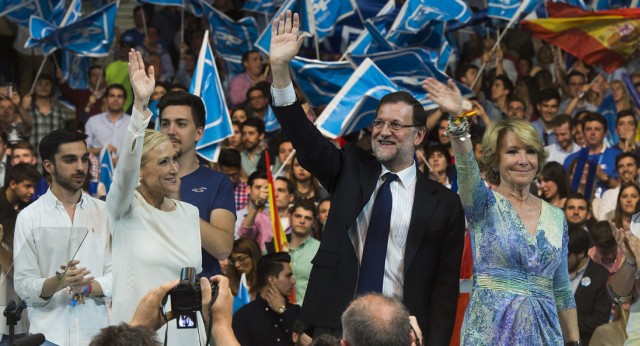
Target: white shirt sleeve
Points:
(283, 97)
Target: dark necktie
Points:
(375, 245)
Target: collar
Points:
(406, 177)
(580, 272)
(52, 202)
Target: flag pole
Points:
(144, 22)
(35, 80)
(286, 161)
(181, 26)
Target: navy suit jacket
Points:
(593, 304)
(433, 247)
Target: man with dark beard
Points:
(108, 128)
(47, 268)
(390, 230)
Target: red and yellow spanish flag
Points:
(280, 242)
(279, 239)
(607, 38)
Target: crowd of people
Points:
(530, 189)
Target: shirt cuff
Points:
(138, 123)
(283, 97)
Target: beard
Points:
(68, 182)
(393, 156)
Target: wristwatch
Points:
(281, 310)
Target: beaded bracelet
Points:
(86, 291)
(458, 126)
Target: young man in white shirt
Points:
(64, 289)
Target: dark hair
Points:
(22, 172)
(548, 94)
(245, 55)
(575, 73)
(462, 70)
(257, 123)
(625, 155)
(125, 335)
(419, 115)
(291, 188)
(245, 246)
(554, 171)
(23, 145)
(602, 236)
(50, 144)
(271, 265)
(626, 113)
(259, 174)
(593, 116)
(306, 204)
(577, 195)
(229, 157)
(116, 86)
(515, 98)
(438, 148)
(506, 83)
(254, 88)
(562, 119)
(618, 216)
(579, 242)
(182, 98)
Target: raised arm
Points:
(128, 168)
(286, 41)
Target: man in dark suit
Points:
(589, 283)
(425, 225)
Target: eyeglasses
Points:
(238, 259)
(394, 126)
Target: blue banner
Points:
(354, 107)
(407, 68)
(382, 22)
(431, 36)
(507, 9)
(271, 124)
(229, 37)
(295, 6)
(90, 36)
(320, 80)
(75, 69)
(164, 2)
(326, 13)
(415, 15)
(60, 17)
(206, 84)
(195, 7)
(263, 7)
(106, 167)
(19, 11)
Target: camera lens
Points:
(188, 274)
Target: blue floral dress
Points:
(520, 281)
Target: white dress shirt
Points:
(101, 131)
(45, 238)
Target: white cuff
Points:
(283, 97)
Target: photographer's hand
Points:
(221, 310)
(148, 313)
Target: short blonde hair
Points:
(151, 140)
(492, 139)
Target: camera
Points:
(186, 298)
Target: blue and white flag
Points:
(230, 38)
(155, 114)
(264, 7)
(407, 68)
(415, 15)
(431, 36)
(89, 36)
(609, 111)
(271, 124)
(106, 167)
(295, 6)
(382, 21)
(75, 69)
(164, 2)
(195, 7)
(243, 298)
(320, 80)
(326, 13)
(508, 9)
(59, 17)
(19, 11)
(206, 84)
(354, 107)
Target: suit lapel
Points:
(580, 289)
(423, 207)
(368, 181)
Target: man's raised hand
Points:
(286, 39)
